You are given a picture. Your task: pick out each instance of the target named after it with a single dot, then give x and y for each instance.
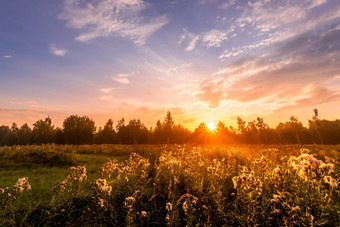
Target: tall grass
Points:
(186, 185)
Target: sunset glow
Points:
(200, 59)
(211, 126)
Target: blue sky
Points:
(205, 60)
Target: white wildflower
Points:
(21, 185)
(169, 207)
(143, 213)
(185, 207)
(129, 201)
(102, 186)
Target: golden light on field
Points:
(211, 126)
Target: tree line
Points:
(82, 130)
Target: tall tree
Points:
(108, 134)
(5, 134)
(24, 135)
(168, 125)
(78, 130)
(43, 131)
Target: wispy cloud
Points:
(294, 73)
(124, 78)
(104, 18)
(268, 23)
(7, 56)
(57, 51)
(106, 90)
(179, 67)
(212, 38)
(227, 4)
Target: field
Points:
(150, 185)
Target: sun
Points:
(211, 126)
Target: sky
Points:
(204, 60)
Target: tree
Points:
(120, 127)
(251, 134)
(136, 132)
(168, 125)
(24, 135)
(107, 135)
(158, 136)
(241, 130)
(201, 134)
(78, 130)
(5, 133)
(43, 131)
(314, 126)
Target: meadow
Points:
(170, 185)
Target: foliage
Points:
(78, 130)
(187, 186)
(81, 130)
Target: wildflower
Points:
(3, 190)
(315, 162)
(101, 202)
(297, 208)
(102, 186)
(275, 199)
(329, 167)
(169, 207)
(21, 185)
(276, 211)
(332, 182)
(129, 201)
(143, 213)
(79, 173)
(185, 207)
(62, 184)
(277, 170)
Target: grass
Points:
(208, 185)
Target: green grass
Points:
(44, 179)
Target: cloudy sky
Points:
(204, 60)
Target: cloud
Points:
(179, 67)
(296, 72)
(106, 18)
(57, 51)
(124, 78)
(212, 38)
(106, 90)
(7, 56)
(211, 92)
(271, 22)
(227, 4)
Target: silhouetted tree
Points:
(168, 125)
(107, 135)
(120, 127)
(43, 131)
(314, 127)
(24, 135)
(241, 130)
(5, 134)
(136, 132)
(78, 130)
